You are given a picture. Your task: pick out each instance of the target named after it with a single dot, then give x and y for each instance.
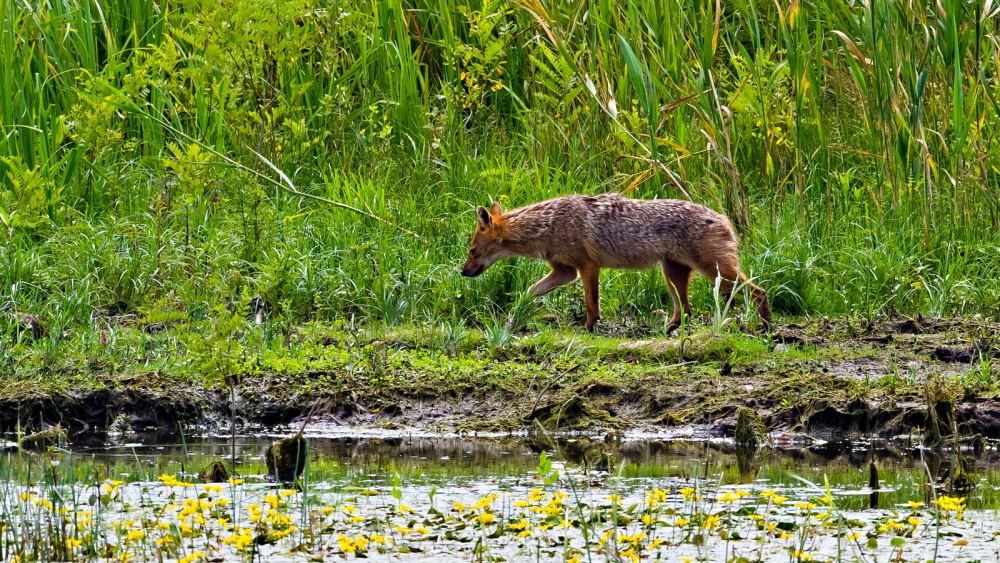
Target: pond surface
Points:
(401, 496)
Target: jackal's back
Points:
(619, 232)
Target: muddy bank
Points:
(823, 379)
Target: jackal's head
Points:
(487, 245)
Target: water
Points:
(406, 496)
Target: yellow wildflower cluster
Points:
(656, 497)
(553, 507)
(951, 504)
(774, 497)
(733, 496)
(171, 481)
(241, 540)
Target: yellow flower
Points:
(73, 543)
(634, 539)
(889, 526)
(656, 497)
(459, 506)
(914, 521)
(346, 544)
(523, 534)
(272, 499)
(710, 522)
(405, 508)
(349, 509)
(801, 556)
(688, 493)
(192, 557)
(486, 518)
(615, 499)
(134, 535)
(240, 540)
(681, 522)
(655, 543)
(914, 504)
(171, 481)
(518, 526)
(235, 482)
(212, 488)
(779, 500)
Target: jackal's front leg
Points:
(559, 276)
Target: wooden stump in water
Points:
(751, 432)
(940, 412)
(215, 472)
(873, 485)
(286, 458)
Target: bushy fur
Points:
(578, 235)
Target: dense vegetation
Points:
(167, 161)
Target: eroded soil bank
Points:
(820, 378)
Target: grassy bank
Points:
(830, 378)
(167, 162)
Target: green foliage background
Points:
(160, 160)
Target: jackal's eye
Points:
(472, 250)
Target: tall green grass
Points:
(165, 159)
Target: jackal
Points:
(578, 235)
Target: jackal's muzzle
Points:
(473, 272)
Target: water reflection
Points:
(514, 455)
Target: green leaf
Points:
(636, 73)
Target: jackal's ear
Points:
(485, 219)
(495, 209)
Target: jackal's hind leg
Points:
(591, 294)
(677, 276)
